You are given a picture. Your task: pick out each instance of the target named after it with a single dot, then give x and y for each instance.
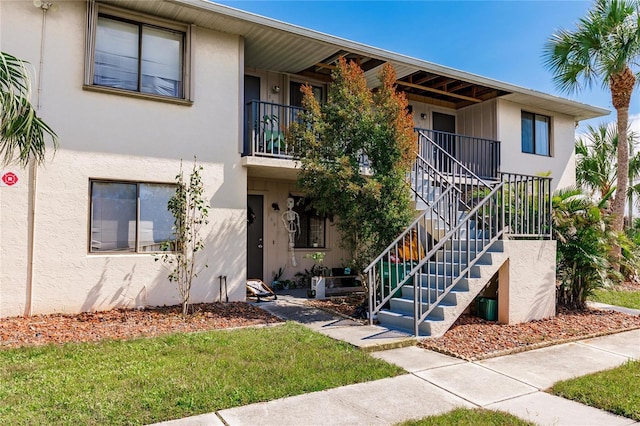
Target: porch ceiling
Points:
(277, 46)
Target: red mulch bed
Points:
(473, 338)
(127, 323)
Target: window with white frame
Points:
(130, 216)
(148, 57)
(536, 134)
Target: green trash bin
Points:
(397, 271)
(488, 308)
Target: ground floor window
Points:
(130, 216)
(312, 225)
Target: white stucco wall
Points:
(560, 163)
(108, 136)
(527, 281)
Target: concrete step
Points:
(457, 299)
(456, 256)
(401, 322)
(405, 306)
(474, 245)
(451, 298)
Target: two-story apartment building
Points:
(134, 88)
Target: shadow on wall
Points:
(224, 253)
(96, 300)
(227, 193)
(543, 303)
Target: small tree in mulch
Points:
(355, 151)
(190, 211)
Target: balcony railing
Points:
(481, 156)
(267, 122)
(526, 205)
(265, 129)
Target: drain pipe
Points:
(33, 166)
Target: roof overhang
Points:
(278, 46)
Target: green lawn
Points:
(150, 380)
(468, 417)
(628, 299)
(616, 390)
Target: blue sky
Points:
(502, 40)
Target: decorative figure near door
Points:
(291, 222)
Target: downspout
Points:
(33, 171)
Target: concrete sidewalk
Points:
(437, 383)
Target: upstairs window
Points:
(137, 55)
(536, 134)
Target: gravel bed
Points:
(127, 323)
(472, 338)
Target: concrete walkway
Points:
(436, 383)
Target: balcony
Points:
(265, 129)
(266, 149)
(481, 156)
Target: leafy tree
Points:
(604, 47)
(596, 162)
(583, 246)
(355, 152)
(190, 211)
(22, 132)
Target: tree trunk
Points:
(621, 85)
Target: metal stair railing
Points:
(526, 200)
(463, 246)
(390, 270)
(419, 171)
(405, 256)
(482, 156)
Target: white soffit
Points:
(274, 45)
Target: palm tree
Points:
(604, 47)
(596, 161)
(22, 132)
(583, 245)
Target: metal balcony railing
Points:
(526, 204)
(265, 127)
(481, 156)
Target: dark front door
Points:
(447, 140)
(251, 93)
(255, 237)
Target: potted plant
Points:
(276, 283)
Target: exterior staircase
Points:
(434, 270)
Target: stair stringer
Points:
(464, 298)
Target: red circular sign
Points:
(10, 178)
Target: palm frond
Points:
(22, 133)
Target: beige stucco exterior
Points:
(500, 120)
(108, 136)
(276, 238)
(560, 165)
(527, 281)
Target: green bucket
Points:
(488, 308)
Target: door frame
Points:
(263, 195)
